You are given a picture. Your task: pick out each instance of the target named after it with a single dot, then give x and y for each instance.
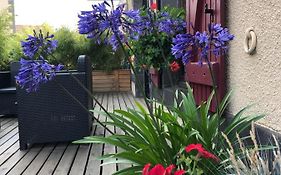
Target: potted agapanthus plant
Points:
(185, 139)
(153, 45)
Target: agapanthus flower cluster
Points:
(170, 25)
(201, 152)
(36, 70)
(38, 43)
(32, 73)
(109, 25)
(160, 22)
(161, 170)
(214, 41)
(113, 23)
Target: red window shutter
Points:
(198, 77)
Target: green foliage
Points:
(70, 45)
(5, 22)
(68, 48)
(151, 47)
(102, 55)
(150, 55)
(160, 137)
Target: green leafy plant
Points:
(67, 51)
(158, 139)
(102, 56)
(154, 49)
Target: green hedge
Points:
(70, 45)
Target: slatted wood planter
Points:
(115, 81)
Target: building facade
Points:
(256, 78)
(9, 4)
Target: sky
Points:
(57, 13)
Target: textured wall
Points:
(256, 79)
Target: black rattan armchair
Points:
(8, 102)
(51, 114)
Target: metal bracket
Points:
(209, 11)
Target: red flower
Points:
(153, 6)
(145, 170)
(197, 147)
(170, 168)
(174, 66)
(157, 170)
(201, 151)
(160, 170)
(179, 172)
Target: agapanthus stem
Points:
(214, 85)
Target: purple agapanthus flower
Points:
(36, 69)
(33, 73)
(170, 25)
(33, 44)
(115, 23)
(215, 41)
(182, 47)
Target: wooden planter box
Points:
(115, 81)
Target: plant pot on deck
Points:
(161, 79)
(143, 87)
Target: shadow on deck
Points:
(60, 158)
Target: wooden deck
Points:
(60, 158)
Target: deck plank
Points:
(108, 149)
(25, 161)
(80, 163)
(39, 161)
(12, 161)
(121, 105)
(53, 160)
(9, 143)
(8, 129)
(93, 164)
(9, 152)
(11, 134)
(67, 159)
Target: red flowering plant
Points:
(160, 170)
(201, 153)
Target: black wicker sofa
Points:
(51, 114)
(8, 102)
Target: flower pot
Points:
(155, 77)
(169, 78)
(163, 77)
(143, 78)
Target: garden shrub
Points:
(4, 35)
(70, 46)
